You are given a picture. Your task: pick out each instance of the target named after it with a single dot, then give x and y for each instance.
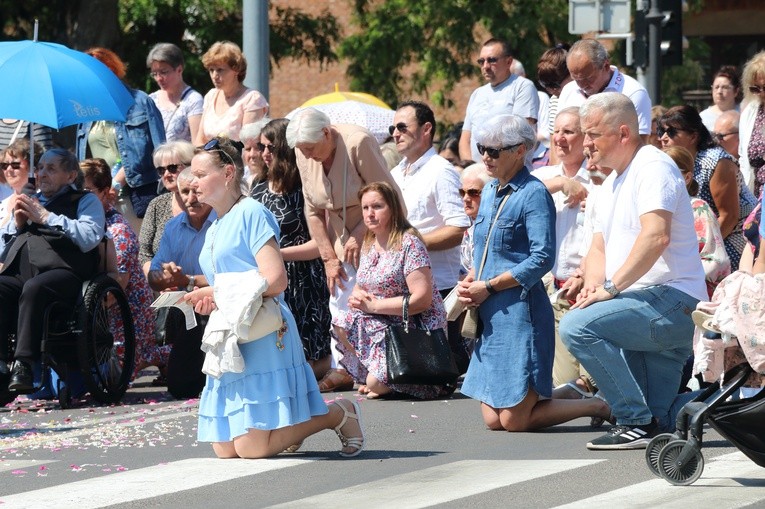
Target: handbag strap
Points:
(405, 313)
(488, 236)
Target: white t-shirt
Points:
(516, 95)
(431, 194)
(569, 222)
(651, 182)
(572, 95)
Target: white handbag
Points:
(267, 320)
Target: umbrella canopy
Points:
(50, 84)
(374, 118)
(337, 96)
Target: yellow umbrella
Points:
(337, 96)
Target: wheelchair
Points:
(94, 337)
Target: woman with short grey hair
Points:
(179, 104)
(252, 153)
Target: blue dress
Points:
(277, 387)
(514, 351)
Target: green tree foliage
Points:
(427, 46)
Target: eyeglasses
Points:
(473, 193)
(214, 146)
(669, 131)
(756, 90)
(550, 86)
(262, 147)
(159, 74)
(718, 137)
(16, 165)
(490, 60)
(494, 152)
(170, 168)
(402, 128)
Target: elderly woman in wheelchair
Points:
(48, 249)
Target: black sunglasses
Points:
(670, 131)
(756, 90)
(550, 86)
(473, 193)
(494, 152)
(170, 168)
(16, 165)
(718, 137)
(402, 128)
(214, 146)
(490, 60)
(262, 147)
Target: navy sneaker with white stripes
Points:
(626, 437)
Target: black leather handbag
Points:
(418, 355)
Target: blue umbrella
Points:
(50, 84)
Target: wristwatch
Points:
(190, 286)
(611, 288)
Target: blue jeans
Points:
(634, 346)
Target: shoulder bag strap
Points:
(488, 236)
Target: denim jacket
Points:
(137, 137)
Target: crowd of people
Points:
(576, 223)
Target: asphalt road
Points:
(143, 453)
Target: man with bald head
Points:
(631, 325)
(726, 131)
(592, 73)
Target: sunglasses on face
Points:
(490, 60)
(473, 193)
(718, 137)
(756, 90)
(550, 86)
(16, 165)
(669, 131)
(214, 146)
(262, 147)
(494, 152)
(170, 168)
(401, 127)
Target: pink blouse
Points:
(230, 123)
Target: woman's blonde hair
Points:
(399, 224)
(230, 54)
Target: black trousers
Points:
(23, 300)
(184, 364)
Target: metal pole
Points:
(653, 75)
(255, 44)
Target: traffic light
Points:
(671, 32)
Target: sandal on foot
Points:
(574, 387)
(356, 442)
(336, 380)
(596, 422)
(294, 447)
(703, 321)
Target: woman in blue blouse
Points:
(510, 371)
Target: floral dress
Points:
(147, 352)
(384, 275)
(711, 247)
(307, 294)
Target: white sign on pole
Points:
(611, 16)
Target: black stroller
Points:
(677, 456)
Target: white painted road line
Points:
(437, 485)
(142, 483)
(728, 481)
(30, 465)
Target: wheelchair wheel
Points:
(106, 348)
(654, 448)
(680, 475)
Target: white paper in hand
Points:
(175, 299)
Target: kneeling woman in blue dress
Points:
(274, 403)
(510, 371)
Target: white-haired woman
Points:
(510, 371)
(252, 153)
(473, 178)
(335, 162)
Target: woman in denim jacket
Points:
(126, 146)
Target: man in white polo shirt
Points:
(593, 73)
(631, 326)
(430, 187)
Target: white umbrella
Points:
(374, 118)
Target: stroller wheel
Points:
(674, 470)
(654, 448)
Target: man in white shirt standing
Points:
(568, 183)
(504, 92)
(430, 187)
(593, 73)
(631, 326)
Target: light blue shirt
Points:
(182, 243)
(86, 231)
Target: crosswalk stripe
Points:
(438, 485)
(143, 483)
(725, 482)
(12, 465)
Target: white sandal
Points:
(355, 442)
